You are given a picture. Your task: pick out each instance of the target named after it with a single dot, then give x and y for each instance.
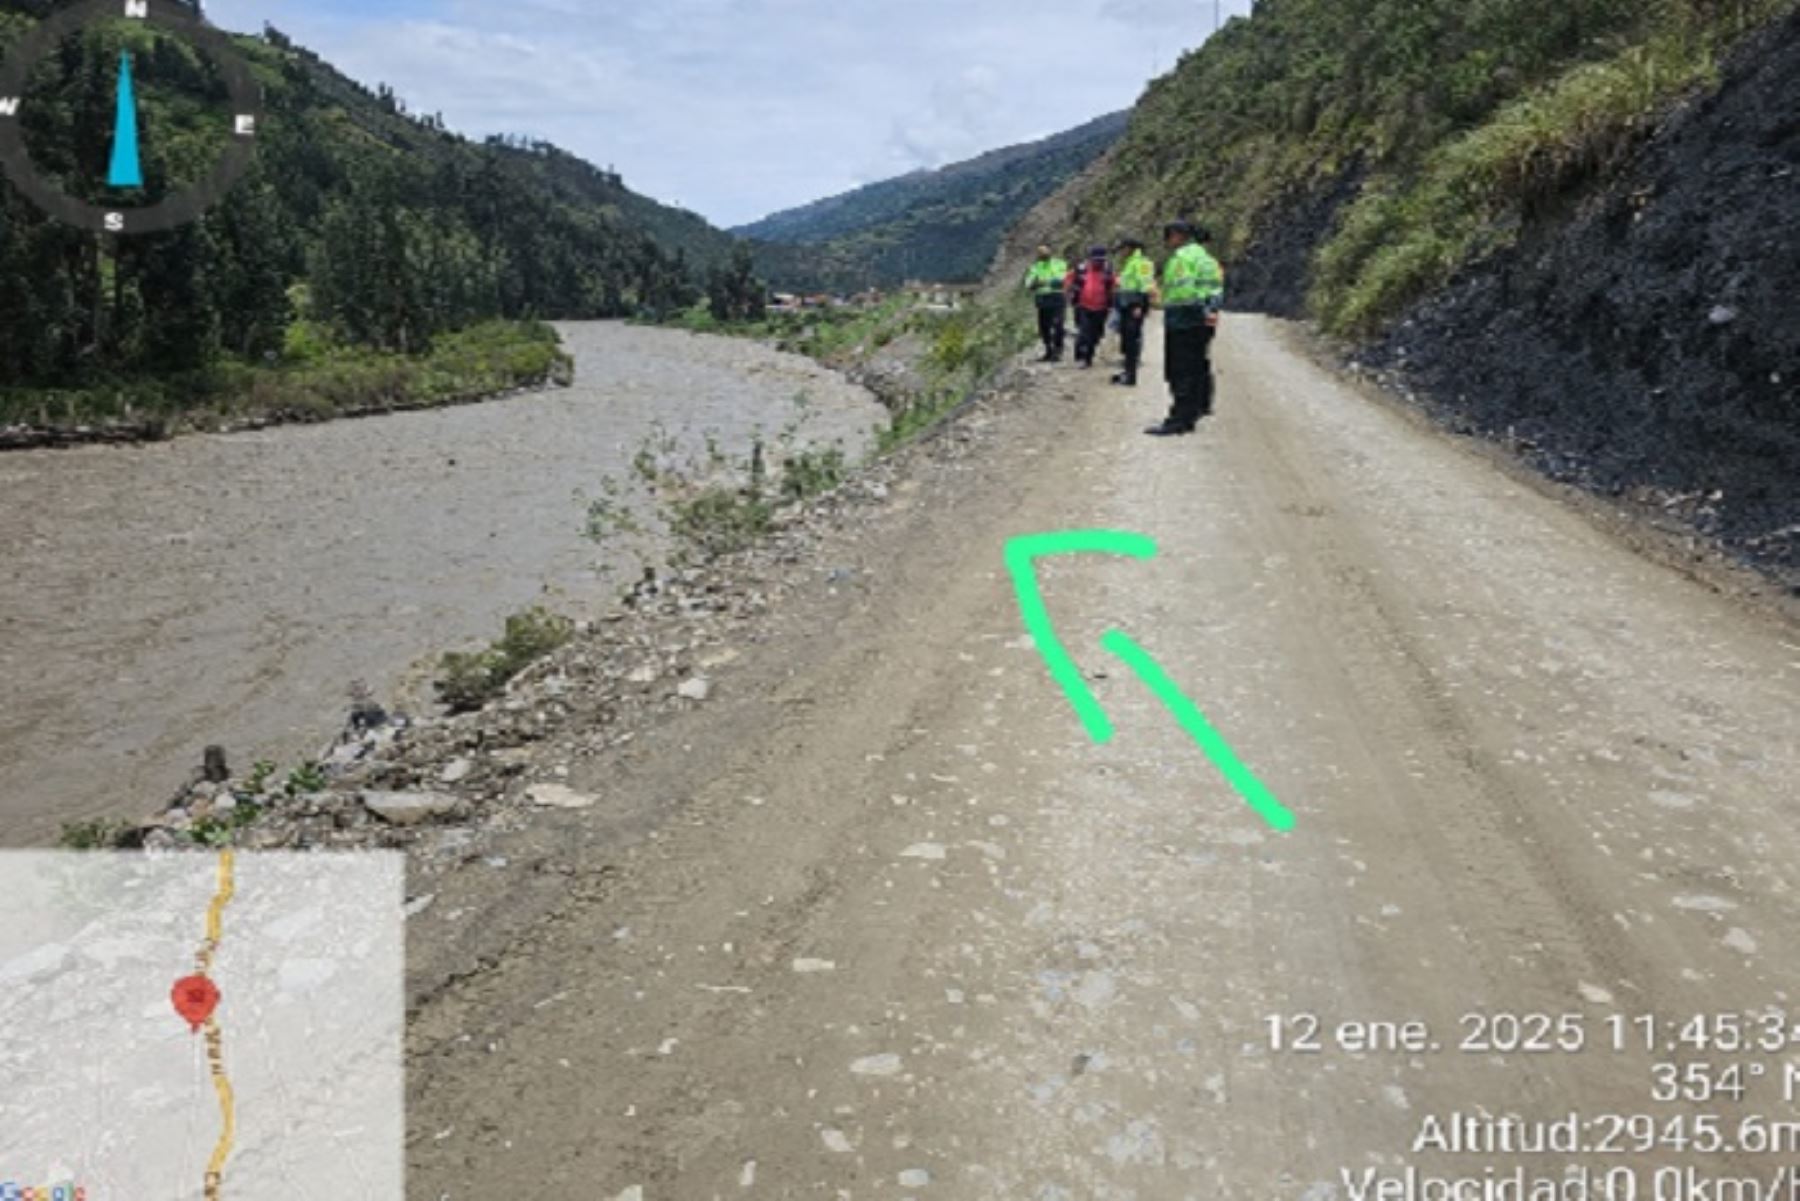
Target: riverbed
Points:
(230, 589)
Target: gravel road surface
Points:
(885, 923)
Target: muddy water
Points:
(228, 589)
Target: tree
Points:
(734, 293)
(251, 279)
(181, 328)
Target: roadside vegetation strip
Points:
(825, 334)
(962, 351)
(315, 379)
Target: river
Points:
(229, 588)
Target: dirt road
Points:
(882, 921)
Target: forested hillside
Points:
(362, 228)
(1570, 225)
(941, 225)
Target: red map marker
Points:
(195, 998)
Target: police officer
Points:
(1137, 291)
(1045, 282)
(1193, 289)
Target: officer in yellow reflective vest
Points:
(1045, 282)
(1193, 289)
(1137, 291)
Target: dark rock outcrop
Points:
(1648, 345)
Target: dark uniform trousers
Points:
(1092, 329)
(1050, 323)
(1131, 337)
(1187, 365)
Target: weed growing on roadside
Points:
(260, 774)
(214, 831)
(709, 504)
(808, 473)
(306, 779)
(96, 834)
(719, 521)
(468, 680)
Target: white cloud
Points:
(957, 122)
(739, 107)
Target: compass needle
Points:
(125, 171)
(187, 187)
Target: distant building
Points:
(941, 296)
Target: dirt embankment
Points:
(1647, 348)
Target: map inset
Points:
(202, 1027)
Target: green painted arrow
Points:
(1021, 556)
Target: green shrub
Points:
(306, 342)
(950, 350)
(719, 520)
(214, 831)
(698, 318)
(306, 779)
(96, 834)
(810, 472)
(469, 680)
(260, 773)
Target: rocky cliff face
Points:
(1647, 345)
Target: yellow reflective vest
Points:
(1193, 286)
(1137, 279)
(1046, 277)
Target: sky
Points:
(740, 108)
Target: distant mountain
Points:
(941, 225)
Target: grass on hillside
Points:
(314, 379)
(1398, 242)
(1462, 123)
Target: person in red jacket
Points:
(1091, 287)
